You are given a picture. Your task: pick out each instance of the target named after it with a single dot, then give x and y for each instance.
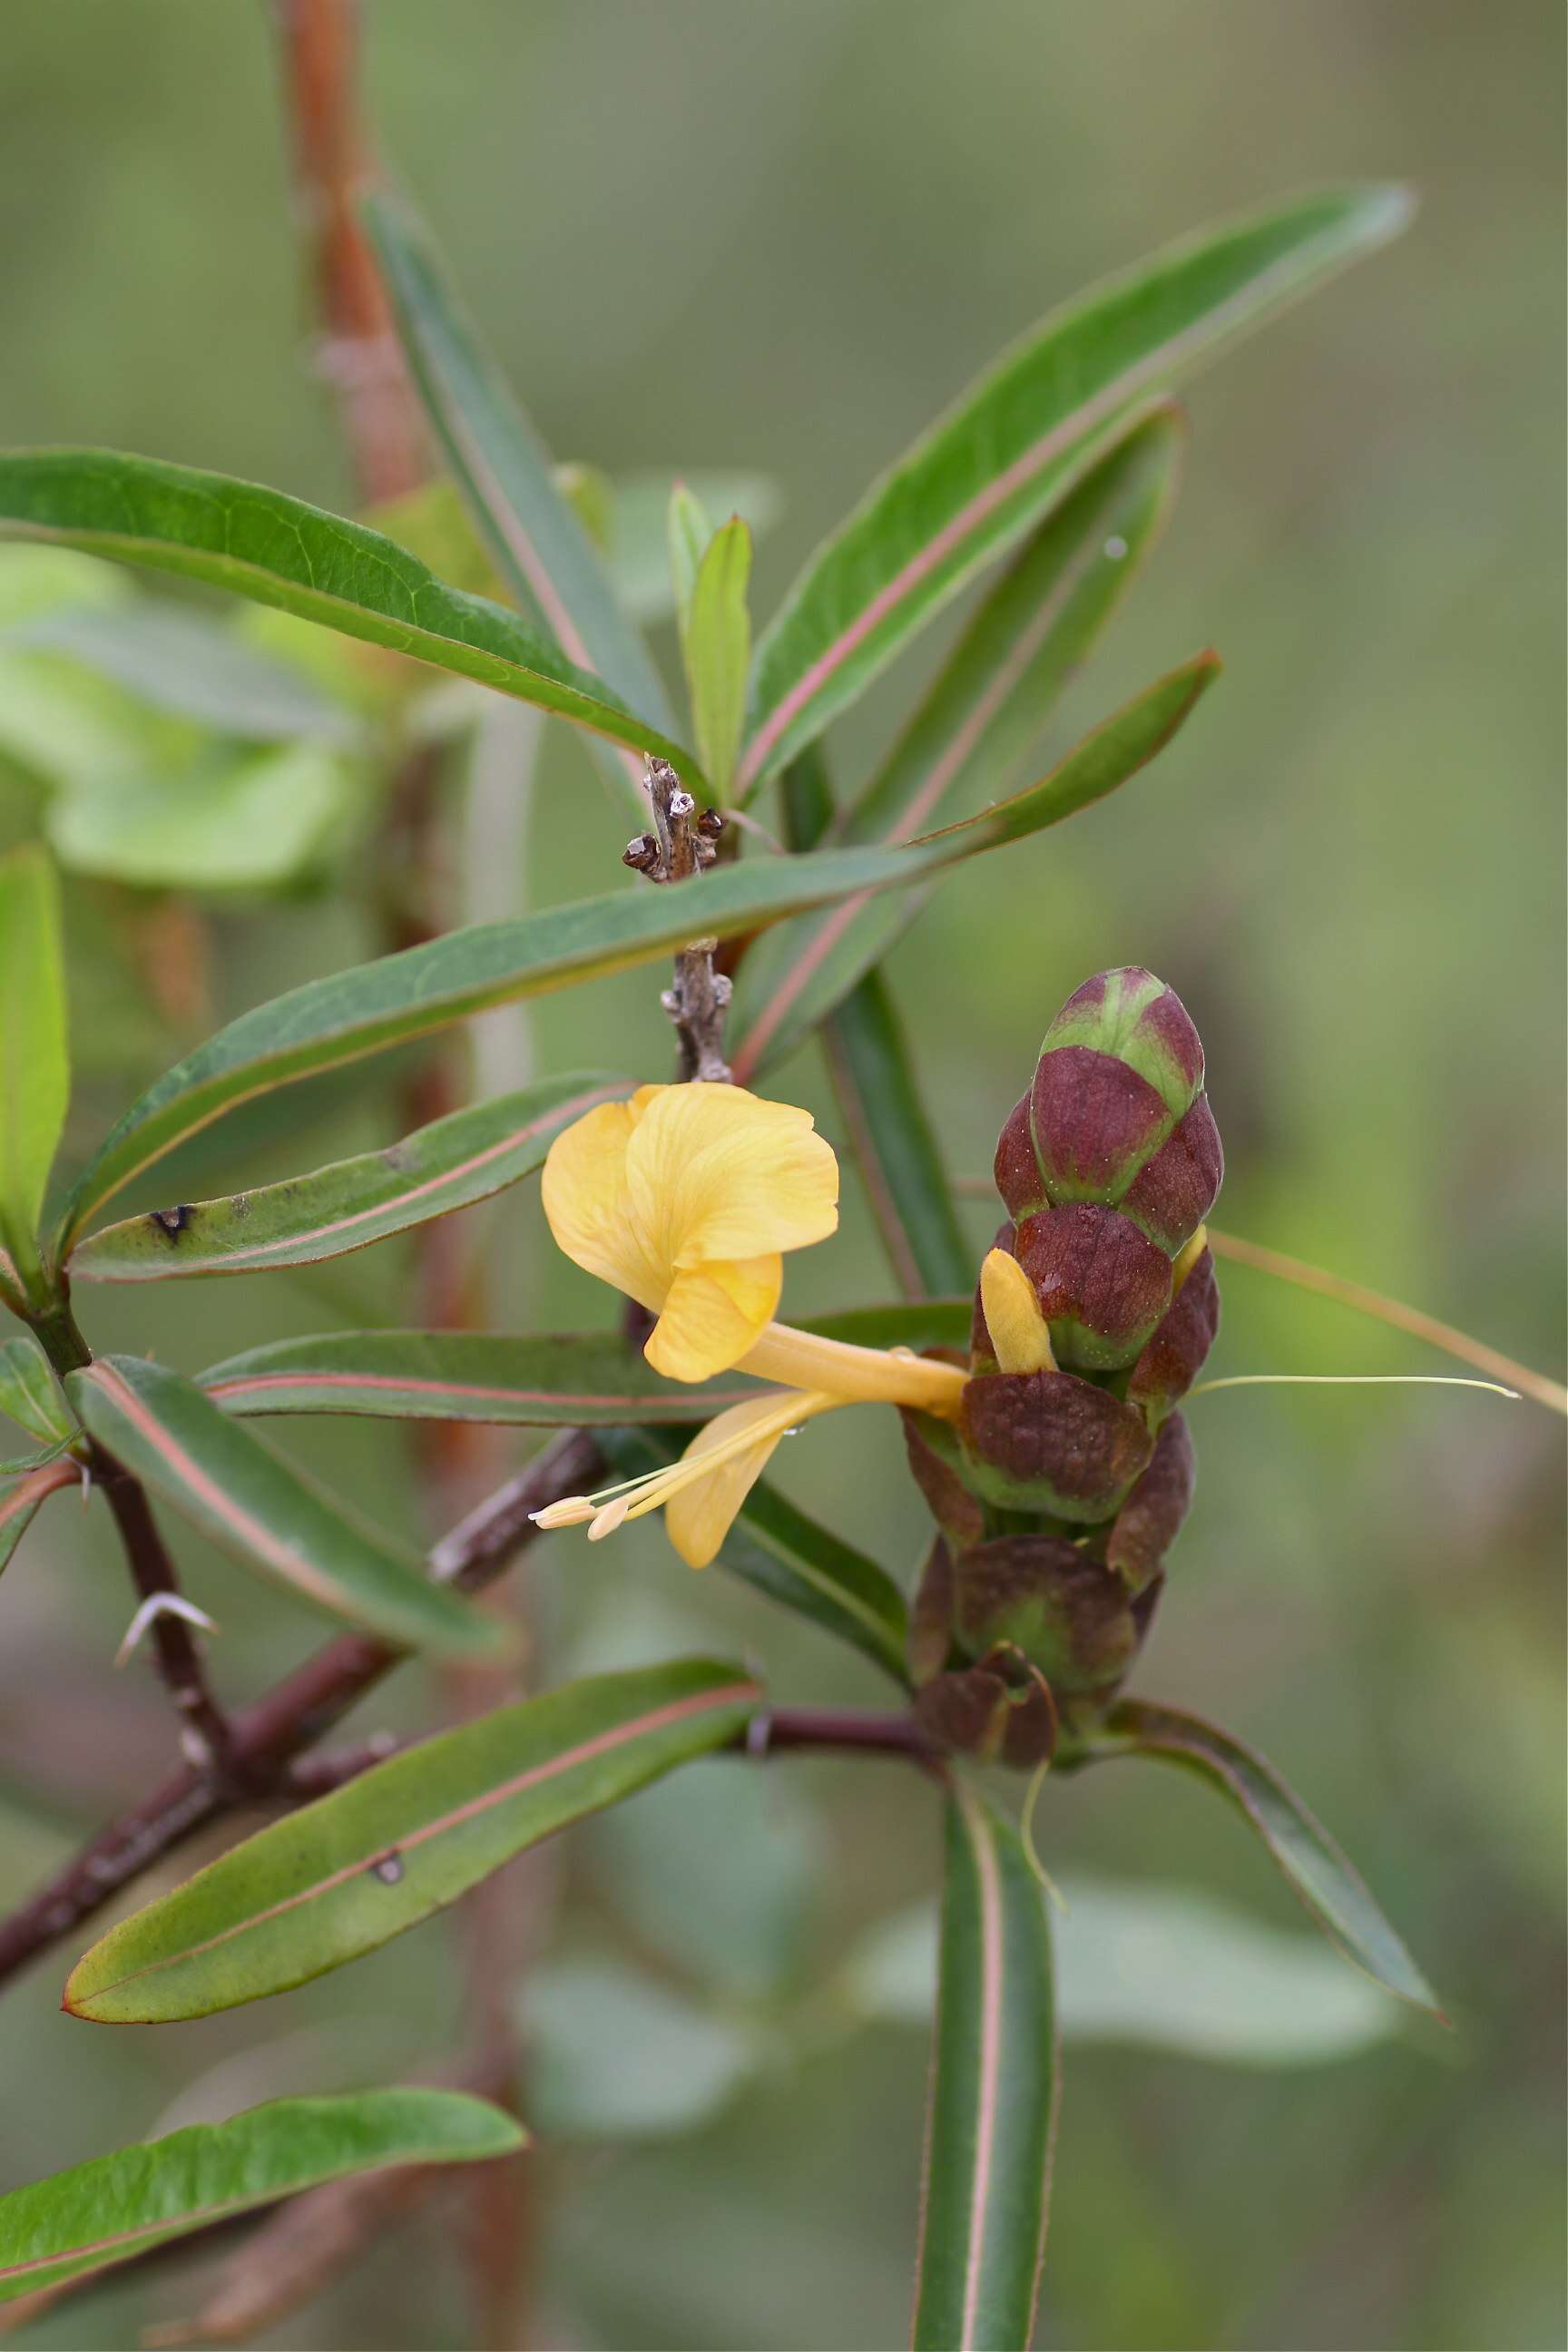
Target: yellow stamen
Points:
(1020, 1336)
(1188, 1257)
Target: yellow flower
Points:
(685, 1198)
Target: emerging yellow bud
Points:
(1020, 1335)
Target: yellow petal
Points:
(1019, 1333)
(715, 1172)
(712, 1315)
(587, 1201)
(698, 1517)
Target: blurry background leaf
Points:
(183, 663)
(231, 818)
(716, 1871)
(614, 2055)
(1159, 1965)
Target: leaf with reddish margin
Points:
(327, 1023)
(218, 1475)
(542, 551)
(449, 1165)
(846, 945)
(985, 713)
(278, 550)
(993, 2093)
(346, 1875)
(116, 2207)
(1318, 1872)
(1000, 459)
(19, 1502)
(557, 1381)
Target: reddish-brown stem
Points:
(358, 354)
(853, 1729)
(266, 1737)
(205, 1739)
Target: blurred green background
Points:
(781, 236)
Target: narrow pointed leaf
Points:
(372, 1006)
(1317, 1872)
(218, 1475)
(895, 1150)
(540, 547)
(996, 461)
(716, 644)
(993, 2094)
(19, 1499)
(989, 705)
(690, 532)
(857, 933)
(29, 1393)
(346, 1875)
(447, 1165)
(35, 1070)
(565, 1380)
(779, 1550)
(116, 2207)
(275, 550)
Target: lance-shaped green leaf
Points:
(116, 2207)
(401, 997)
(539, 545)
(278, 550)
(447, 1165)
(1316, 1869)
(34, 1069)
(993, 2094)
(403, 1839)
(998, 460)
(19, 1499)
(29, 1393)
(690, 533)
(565, 1380)
(217, 1473)
(855, 936)
(895, 1150)
(716, 647)
(782, 1552)
(990, 703)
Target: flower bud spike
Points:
(1020, 1336)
